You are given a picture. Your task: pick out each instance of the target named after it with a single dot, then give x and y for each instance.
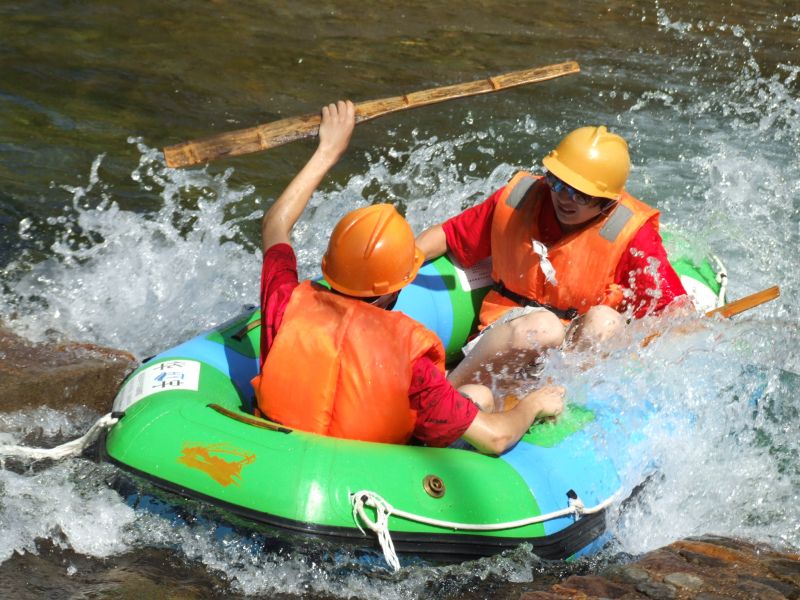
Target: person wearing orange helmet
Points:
(336, 361)
(569, 247)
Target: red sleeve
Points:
(653, 287)
(278, 280)
(469, 235)
(443, 415)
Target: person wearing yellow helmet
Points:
(572, 252)
(335, 361)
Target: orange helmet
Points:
(371, 253)
(591, 160)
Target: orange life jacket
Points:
(342, 367)
(584, 261)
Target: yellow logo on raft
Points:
(209, 459)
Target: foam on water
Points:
(721, 451)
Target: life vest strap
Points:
(566, 314)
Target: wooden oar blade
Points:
(270, 135)
(746, 303)
(733, 308)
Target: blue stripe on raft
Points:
(585, 461)
(239, 368)
(427, 300)
(574, 464)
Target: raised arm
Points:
(494, 433)
(338, 121)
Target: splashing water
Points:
(133, 280)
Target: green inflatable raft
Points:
(186, 426)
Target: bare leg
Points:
(507, 348)
(597, 326)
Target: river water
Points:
(99, 242)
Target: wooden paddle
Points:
(270, 135)
(746, 303)
(734, 308)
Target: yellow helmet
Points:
(371, 253)
(591, 160)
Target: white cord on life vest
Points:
(66, 450)
(548, 270)
(383, 510)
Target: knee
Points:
(538, 330)
(601, 323)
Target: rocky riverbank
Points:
(705, 568)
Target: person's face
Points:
(572, 207)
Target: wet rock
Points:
(705, 568)
(787, 589)
(759, 591)
(592, 586)
(788, 570)
(54, 572)
(628, 574)
(657, 591)
(55, 375)
(684, 580)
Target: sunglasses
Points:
(576, 196)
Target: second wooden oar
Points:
(746, 303)
(263, 137)
(734, 308)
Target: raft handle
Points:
(242, 333)
(263, 424)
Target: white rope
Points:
(722, 280)
(380, 525)
(67, 450)
(383, 510)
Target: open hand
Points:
(549, 399)
(336, 128)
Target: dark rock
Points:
(592, 585)
(627, 574)
(657, 591)
(759, 591)
(788, 570)
(705, 568)
(789, 590)
(668, 560)
(684, 580)
(55, 375)
(703, 560)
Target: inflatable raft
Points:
(186, 426)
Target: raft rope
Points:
(67, 450)
(383, 510)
